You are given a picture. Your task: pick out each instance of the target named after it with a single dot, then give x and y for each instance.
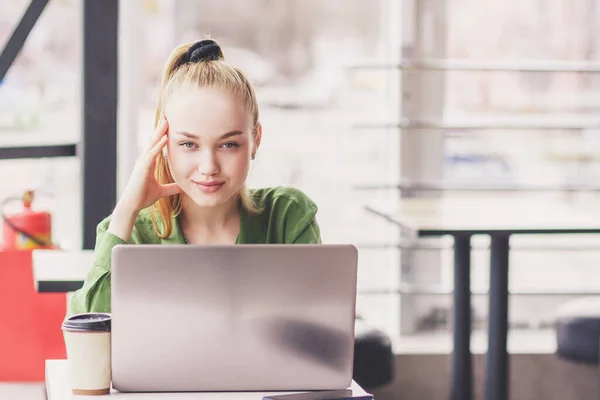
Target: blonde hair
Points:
(197, 65)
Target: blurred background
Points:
(357, 97)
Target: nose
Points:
(208, 164)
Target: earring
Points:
(252, 157)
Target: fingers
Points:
(170, 189)
(155, 151)
(160, 131)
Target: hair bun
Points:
(204, 50)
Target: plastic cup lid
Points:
(88, 322)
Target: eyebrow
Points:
(224, 136)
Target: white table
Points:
(57, 271)
(58, 388)
(500, 218)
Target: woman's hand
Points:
(142, 189)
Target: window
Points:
(40, 102)
(332, 97)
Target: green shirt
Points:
(288, 216)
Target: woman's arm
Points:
(141, 192)
(94, 296)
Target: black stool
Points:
(373, 357)
(577, 327)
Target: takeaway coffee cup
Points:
(87, 339)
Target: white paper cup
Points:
(87, 339)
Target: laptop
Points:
(233, 317)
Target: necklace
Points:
(183, 232)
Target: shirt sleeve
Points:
(298, 217)
(310, 235)
(94, 296)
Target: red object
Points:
(27, 229)
(30, 322)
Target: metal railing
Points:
(575, 66)
(420, 246)
(22, 152)
(483, 124)
(412, 187)
(433, 290)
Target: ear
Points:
(257, 138)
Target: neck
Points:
(195, 218)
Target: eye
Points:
(230, 145)
(187, 145)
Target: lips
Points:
(209, 187)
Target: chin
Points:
(207, 202)
(210, 200)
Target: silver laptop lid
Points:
(240, 317)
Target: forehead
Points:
(206, 112)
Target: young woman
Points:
(189, 185)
